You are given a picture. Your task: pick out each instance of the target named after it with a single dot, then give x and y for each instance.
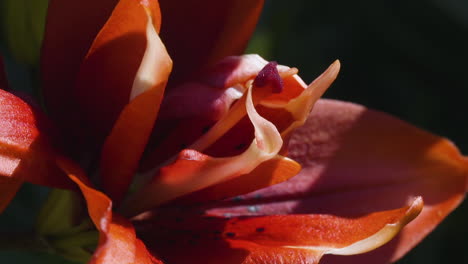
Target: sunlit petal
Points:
(127, 140)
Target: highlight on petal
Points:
(108, 74)
(27, 152)
(372, 161)
(124, 146)
(200, 33)
(193, 170)
(272, 239)
(210, 98)
(270, 172)
(117, 240)
(300, 106)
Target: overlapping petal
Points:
(108, 73)
(271, 239)
(130, 133)
(117, 241)
(27, 152)
(357, 161)
(200, 103)
(200, 33)
(193, 170)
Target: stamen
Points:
(269, 76)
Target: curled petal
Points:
(193, 171)
(124, 146)
(200, 33)
(202, 102)
(274, 239)
(117, 240)
(270, 172)
(26, 149)
(107, 78)
(372, 161)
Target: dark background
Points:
(403, 57)
(406, 58)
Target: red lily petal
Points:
(273, 239)
(26, 150)
(372, 161)
(108, 75)
(200, 104)
(125, 144)
(269, 173)
(117, 241)
(193, 171)
(200, 33)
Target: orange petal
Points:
(193, 171)
(372, 161)
(200, 33)
(107, 75)
(270, 172)
(117, 241)
(125, 144)
(274, 239)
(26, 150)
(189, 110)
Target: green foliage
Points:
(22, 28)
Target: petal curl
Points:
(117, 240)
(193, 170)
(200, 33)
(372, 161)
(107, 75)
(124, 146)
(27, 152)
(273, 239)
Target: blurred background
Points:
(406, 58)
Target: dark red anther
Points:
(269, 76)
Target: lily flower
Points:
(219, 160)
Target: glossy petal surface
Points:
(200, 33)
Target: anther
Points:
(269, 76)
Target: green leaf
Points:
(22, 25)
